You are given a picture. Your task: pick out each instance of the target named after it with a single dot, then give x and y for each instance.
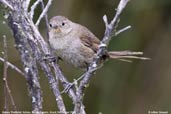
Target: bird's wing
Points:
(90, 40)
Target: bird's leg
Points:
(51, 58)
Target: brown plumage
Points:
(76, 45)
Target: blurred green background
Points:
(119, 87)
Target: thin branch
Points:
(121, 6)
(46, 20)
(7, 4)
(6, 105)
(114, 22)
(33, 7)
(43, 12)
(53, 85)
(122, 30)
(7, 91)
(64, 81)
(12, 66)
(59, 98)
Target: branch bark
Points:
(32, 48)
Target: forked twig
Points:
(12, 66)
(33, 7)
(7, 91)
(44, 12)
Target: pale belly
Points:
(71, 53)
(73, 57)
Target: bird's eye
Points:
(50, 25)
(63, 23)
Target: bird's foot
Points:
(50, 58)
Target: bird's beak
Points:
(58, 30)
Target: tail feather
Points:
(124, 55)
(125, 60)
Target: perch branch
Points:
(102, 48)
(46, 51)
(57, 71)
(33, 32)
(64, 81)
(62, 78)
(53, 83)
(44, 47)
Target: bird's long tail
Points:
(126, 55)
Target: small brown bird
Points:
(76, 45)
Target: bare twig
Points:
(43, 12)
(7, 91)
(33, 7)
(5, 76)
(46, 19)
(122, 30)
(59, 98)
(7, 4)
(64, 81)
(53, 83)
(12, 66)
(113, 23)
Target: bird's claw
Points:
(50, 58)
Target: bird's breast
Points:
(70, 50)
(65, 47)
